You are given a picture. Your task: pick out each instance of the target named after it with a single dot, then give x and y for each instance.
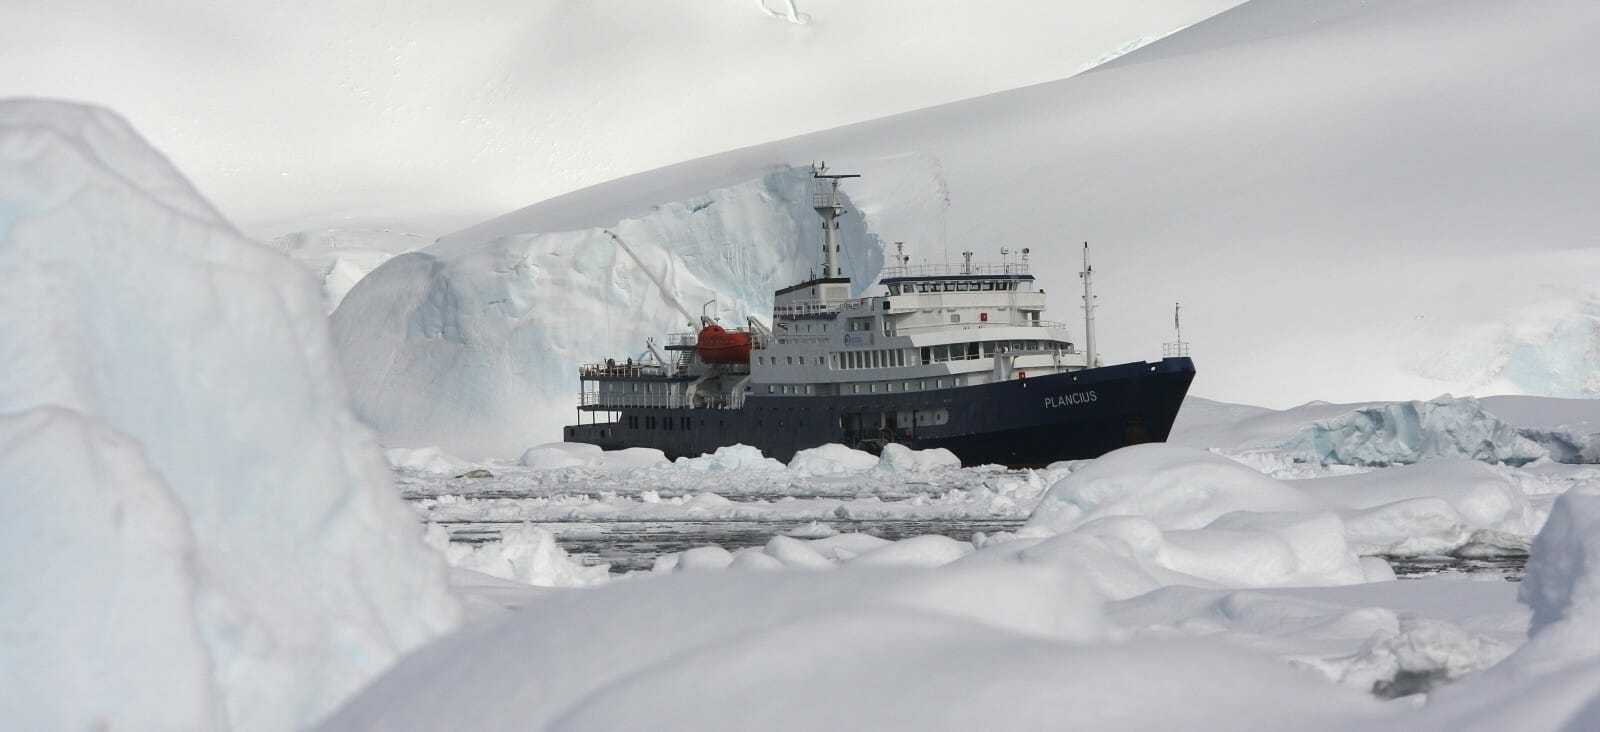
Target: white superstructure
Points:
(936, 327)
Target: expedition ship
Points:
(952, 356)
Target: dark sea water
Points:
(634, 545)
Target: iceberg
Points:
(1407, 432)
(198, 533)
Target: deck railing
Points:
(613, 370)
(954, 270)
(902, 329)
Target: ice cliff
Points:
(472, 344)
(197, 533)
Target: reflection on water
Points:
(634, 545)
(630, 545)
(1509, 568)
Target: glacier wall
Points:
(472, 344)
(195, 532)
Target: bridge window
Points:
(955, 317)
(987, 286)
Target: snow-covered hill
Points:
(421, 116)
(1353, 200)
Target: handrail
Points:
(1051, 324)
(619, 370)
(954, 270)
(805, 307)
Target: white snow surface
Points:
(303, 115)
(1007, 647)
(1163, 509)
(1198, 561)
(1447, 139)
(1552, 682)
(198, 534)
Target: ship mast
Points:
(1088, 309)
(825, 199)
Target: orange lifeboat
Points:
(719, 345)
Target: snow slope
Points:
(420, 116)
(950, 649)
(1353, 200)
(195, 532)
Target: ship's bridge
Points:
(930, 295)
(930, 278)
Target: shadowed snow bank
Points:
(197, 533)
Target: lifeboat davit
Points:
(719, 345)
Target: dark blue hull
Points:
(1021, 423)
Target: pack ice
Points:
(197, 532)
(1366, 435)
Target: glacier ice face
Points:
(473, 343)
(1407, 432)
(185, 376)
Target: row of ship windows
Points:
(984, 286)
(876, 387)
(929, 354)
(663, 423)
